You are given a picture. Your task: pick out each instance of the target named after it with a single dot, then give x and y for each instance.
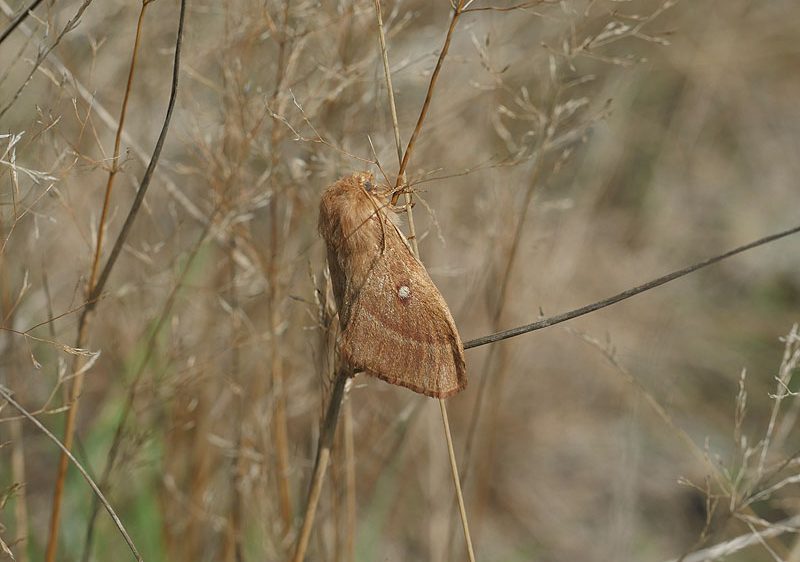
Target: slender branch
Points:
(18, 20)
(388, 76)
(413, 236)
(321, 464)
(148, 175)
(71, 24)
(558, 318)
(462, 510)
(428, 97)
(522, 6)
(350, 479)
(101, 226)
(7, 397)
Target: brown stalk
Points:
(411, 228)
(428, 97)
(112, 173)
(236, 508)
(280, 429)
(21, 527)
(350, 484)
(96, 289)
(327, 434)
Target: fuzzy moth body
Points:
(395, 325)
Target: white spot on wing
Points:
(404, 292)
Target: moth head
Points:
(366, 181)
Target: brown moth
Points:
(394, 323)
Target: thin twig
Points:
(428, 97)
(320, 466)
(148, 174)
(724, 549)
(456, 481)
(112, 173)
(558, 318)
(522, 6)
(388, 76)
(18, 20)
(8, 398)
(70, 25)
(413, 235)
(350, 487)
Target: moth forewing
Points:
(395, 325)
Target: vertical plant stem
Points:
(21, 496)
(79, 361)
(94, 291)
(350, 488)
(388, 76)
(236, 508)
(280, 430)
(459, 9)
(101, 226)
(69, 434)
(454, 468)
(323, 456)
(403, 159)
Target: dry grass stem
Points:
(8, 398)
(327, 434)
(94, 291)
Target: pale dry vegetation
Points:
(572, 150)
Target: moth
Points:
(395, 325)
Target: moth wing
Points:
(400, 329)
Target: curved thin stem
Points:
(18, 20)
(563, 317)
(101, 226)
(459, 9)
(17, 406)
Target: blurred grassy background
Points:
(614, 141)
